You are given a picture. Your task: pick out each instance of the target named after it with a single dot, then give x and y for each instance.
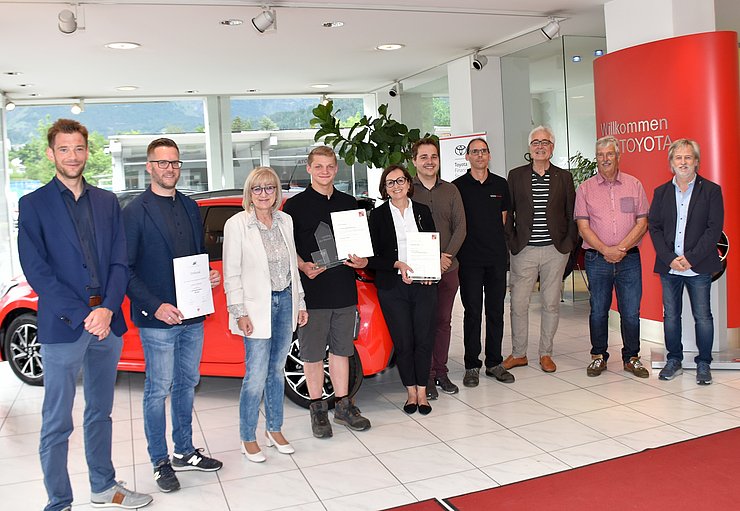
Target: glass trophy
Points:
(326, 255)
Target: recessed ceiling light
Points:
(126, 88)
(191, 91)
(389, 46)
(122, 45)
(577, 97)
(320, 85)
(252, 90)
(576, 58)
(598, 53)
(25, 85)
(33, 94)
(12, 73)
(332, 24)
(231, 22)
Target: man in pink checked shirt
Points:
(611, 213)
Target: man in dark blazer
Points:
(540, 233)
(72, 249)
(685, 223)
(163, 224)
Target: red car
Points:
(223, 352)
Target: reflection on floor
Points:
(483, 437)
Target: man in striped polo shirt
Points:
(540, 233)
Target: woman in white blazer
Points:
(265, 301)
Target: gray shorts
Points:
(327, 327)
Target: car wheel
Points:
(23, 351)
(295, 379)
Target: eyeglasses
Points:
(400, 182)
(163, 164)
(269, 189)
(476, 152)
(540, 143)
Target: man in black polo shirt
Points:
(483, 260)
(331, 296)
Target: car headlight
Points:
(7, 286)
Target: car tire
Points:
(23, 351)
(295, 379)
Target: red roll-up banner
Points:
(654, 93)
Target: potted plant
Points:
(581, 167)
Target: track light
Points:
(479, 61)
(9, 105)
(67, 21)
(551, 30)
(265, 20)
(396, 90)
(78, 107)
(324, 99)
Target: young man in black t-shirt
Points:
(331, 296)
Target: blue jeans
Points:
(699, 287)
(265, 361)
(62, 363)
(172, 368)
(625, 277)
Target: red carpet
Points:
(697, 474)
(690, 475)
(424, 505)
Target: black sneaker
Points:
(471, 377)
(432, 389)
(703, 373)
(444, 383)
(320, 424)
(500, 374)
(165, 477)
(196, 460)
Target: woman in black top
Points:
(408, 306)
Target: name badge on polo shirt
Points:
(496, 196)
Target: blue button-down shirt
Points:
(682, 209)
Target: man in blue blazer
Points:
(163, 224)
(685, 223)
(72, 249)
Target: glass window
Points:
(213, 226)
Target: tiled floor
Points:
(480, 438)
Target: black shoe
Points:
(195, 460)
(471, 377)
(444, 383)
(165, 477)
(432, 389)
(425, 409)
(347, 414)
(500, 374)
(320, 424)
(410, 408)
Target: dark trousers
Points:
(446, 292)
(474, 280)
(409, 313)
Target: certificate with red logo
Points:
(422, 255)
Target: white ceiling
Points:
(184, 47)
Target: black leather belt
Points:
(95, 300)
(633, 250)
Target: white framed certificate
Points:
(422, 255)
(351, 233)
(193, 285)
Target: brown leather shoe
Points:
(512, 361)
(547, 364)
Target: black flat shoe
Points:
(425, 409)
(410, 408)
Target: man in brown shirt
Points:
(448, 211)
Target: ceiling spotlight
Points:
(127, 88)
(389, 46)
(552, 29)
(67, 21)
(332, 24)
(265, 20)
(320, 85)
(598, 53)
(78, 107)
(233, 22)
(122, 45)
(395, 90)
(9, 105)
(479, 61)
(576, 58)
